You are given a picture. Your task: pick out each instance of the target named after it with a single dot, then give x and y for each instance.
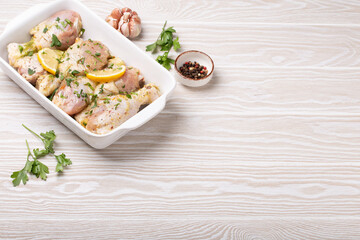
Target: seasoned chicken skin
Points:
(74, 94)
(65, 25)
(47, 84)
(30, 68)
(114, 110)
(84, 56)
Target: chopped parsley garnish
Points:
(30, 53)
(82, 32)
(68, 81)
(101, 89)
(62, 96)
(57, 19)
(106, 100)
(81, 60)
(89, 85)
(97, 54)
(55, 41)
(68, 21)
(94, 98)
(45, 30)
(30, 71)
(64, 24)
(116, 105)
(21, 48)
(111, 65)
(75, 72)
(53, 94)
(128, 95)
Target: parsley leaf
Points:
(45, 30)
(68, 81)
(40, 153)
(55, 41)
(90, 86)
(53, 94)
(21, 176)
(62, 162)
(176, 44)
(151, 47)
(101, 89)
(39, 169)
(75, 72)
(165, 61)
(30, 71)
(21, 48)
(81, 33)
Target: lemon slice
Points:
(48, 59)
(107, 75)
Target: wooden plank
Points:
(268, 150)
(274, 229)
(233, 11)
(144, 187)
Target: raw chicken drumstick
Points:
(114, 110)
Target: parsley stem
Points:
(32, 133)
(29, 152)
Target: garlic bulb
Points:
(126, 21)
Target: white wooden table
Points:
(270, 149)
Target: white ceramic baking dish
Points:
(97, 29)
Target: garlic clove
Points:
(124, 29)
(114, 18)
(135, 26)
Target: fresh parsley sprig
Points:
(35, 166)
(165, 41)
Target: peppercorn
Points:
(193, 70)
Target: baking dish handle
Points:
(136, 121)
(26, 14)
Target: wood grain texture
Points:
(269, 149)
(189, 229)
